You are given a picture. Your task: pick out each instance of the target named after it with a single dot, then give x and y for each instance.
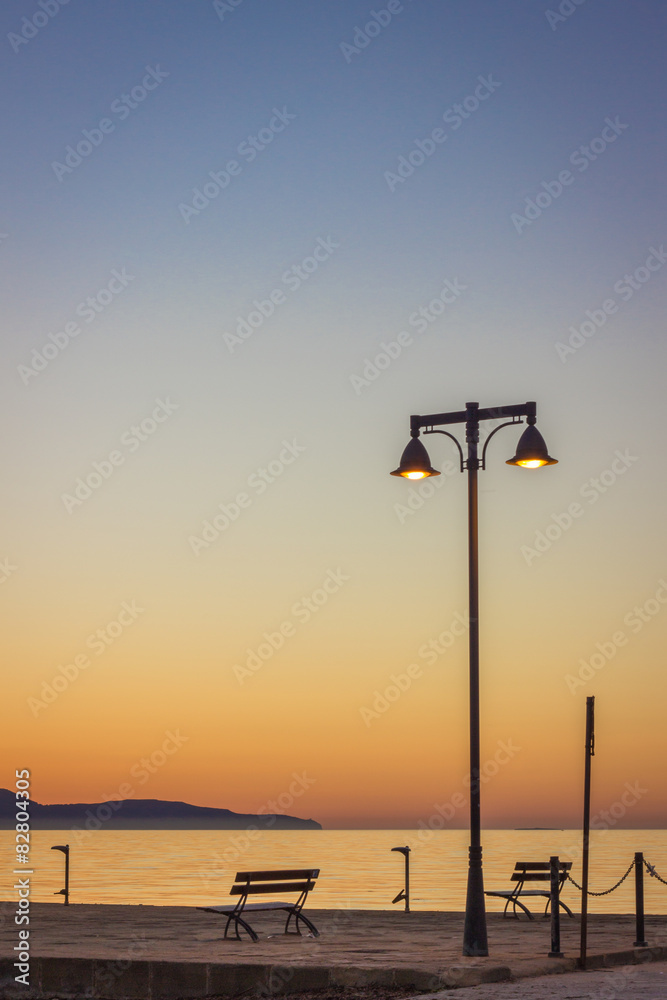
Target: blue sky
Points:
(339, 123)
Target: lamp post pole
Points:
(474, 933)
(415, 464)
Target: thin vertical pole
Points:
(554, 865)
(407, 881)
(405, 892)
(474, 933)
(639, 900)
(590, 752)
(67, 875)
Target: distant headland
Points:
(143, 814)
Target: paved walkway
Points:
(628, 982)
(183, 948)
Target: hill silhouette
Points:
(143, 814)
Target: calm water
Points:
(196, 867)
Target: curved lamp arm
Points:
(456, 442)
(508, 423)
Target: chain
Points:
(651, 870)
(607, 891)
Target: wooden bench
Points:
(532, 871)
(300, 880)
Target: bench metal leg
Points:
(515, 902)
(298, 915)
(238, 920)
(560, 903)
(525, 909)
(308, 924)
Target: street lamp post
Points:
(64, 892)
(531, 453)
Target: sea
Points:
(358, 868)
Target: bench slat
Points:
(510, 893)
(257, 887)
(541, 866)
(275, 905)
(276, 876)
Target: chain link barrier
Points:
(651, 870)
(607, 891)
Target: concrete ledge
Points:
(634, 956)
(231, 980)
(356, 975)
(62, 975)
(95, 978)
(78, 978)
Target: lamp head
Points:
(415, 463)
(531, 451)
(61, 847)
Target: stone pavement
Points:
(176, 951)
(627, 982)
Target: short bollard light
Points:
(404, 893)
(64, 892)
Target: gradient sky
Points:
(298, 398)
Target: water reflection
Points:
(196, 867)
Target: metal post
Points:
(639, 900)
(474, 933)
(555, 909)
(590, 752)
(407, 880)
(415, 463)
(405, 893)
(64, 892)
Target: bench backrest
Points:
(539, 871)
(300, 880)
